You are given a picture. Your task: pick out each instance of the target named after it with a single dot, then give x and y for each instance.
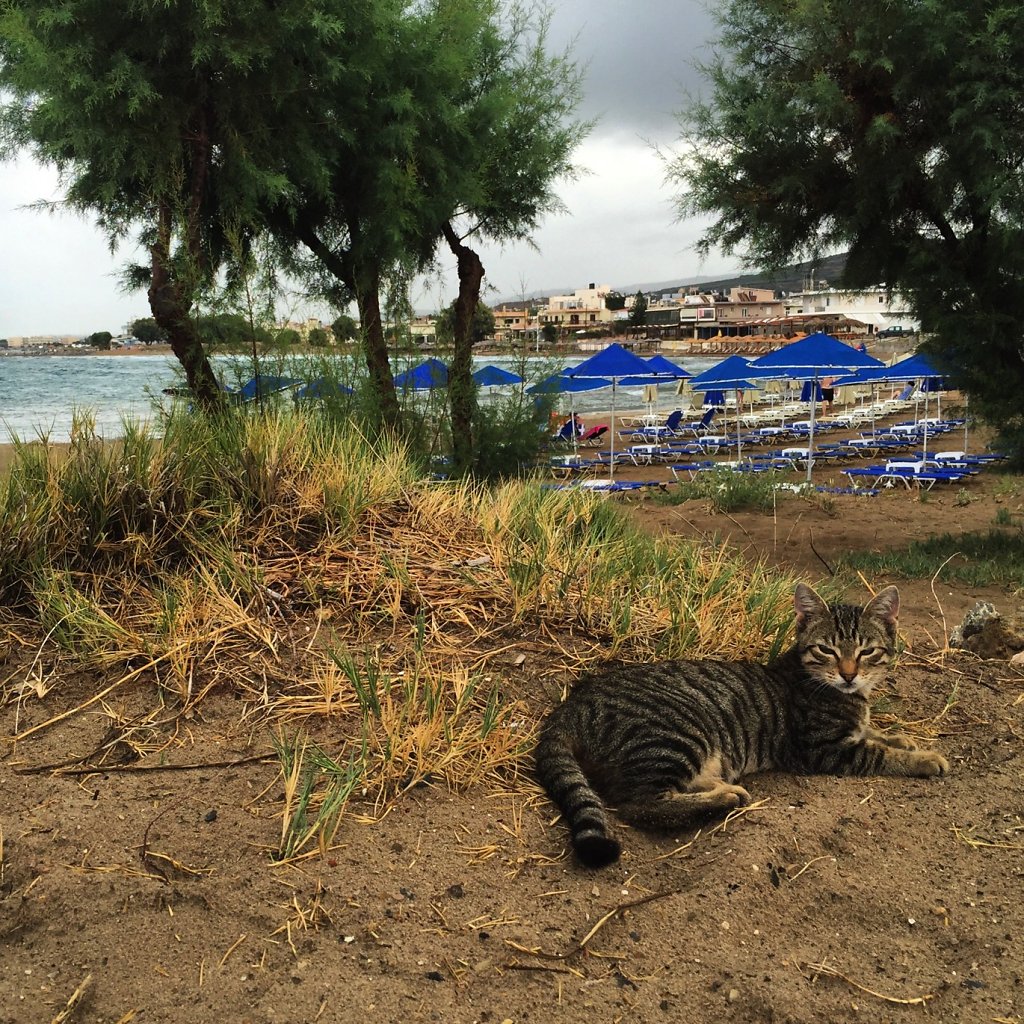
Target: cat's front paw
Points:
(898, 741)
(927, 763)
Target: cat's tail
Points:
(560, 774)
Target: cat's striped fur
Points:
(665, 742)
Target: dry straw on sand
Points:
(321, 578)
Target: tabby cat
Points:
(666, 742)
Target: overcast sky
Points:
(57, 276)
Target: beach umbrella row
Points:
(731, 374)
(809, 359)
(619, 366)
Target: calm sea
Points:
(39, 394)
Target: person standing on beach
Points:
(828, 393)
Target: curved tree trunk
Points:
(461, 390)
(171, 310)
(375, 348)
(367, 293)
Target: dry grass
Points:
(316, 575)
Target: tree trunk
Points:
(367, 293)
(461, 390)
(375, 348)
(171, 311)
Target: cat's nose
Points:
(848, 670)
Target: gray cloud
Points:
(640, 58)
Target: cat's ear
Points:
(885, 605)
(807, 603)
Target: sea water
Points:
(39, 395)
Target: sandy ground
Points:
(829, 900)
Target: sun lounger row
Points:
(915, 472)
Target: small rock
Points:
(974, 622)
(1018, 658)
(456, 891)
(734, 994)
(434, 976)
(211, 815)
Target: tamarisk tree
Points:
(893, 129)
(167, 121)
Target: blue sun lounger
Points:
(907, 473)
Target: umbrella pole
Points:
(739, 442)
(925, 440)
(611, 449)
(967, 409)
(810, 439)
(575, 432)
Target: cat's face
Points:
(846, 647)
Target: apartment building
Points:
(878, 308)
(584, 308)
(516, 321)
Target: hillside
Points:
(786, 279)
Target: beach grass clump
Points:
(144, 505)
(387, 629)
(727, 491)
(573, 557)
(424, 725)
(994, 557)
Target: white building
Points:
(876, 306)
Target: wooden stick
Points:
(614, 912)
(833, 973)
(105, 769)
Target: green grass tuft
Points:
(976, 559)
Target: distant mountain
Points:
(828, 269)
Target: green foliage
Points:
(344, 328)
(101, 339)
(727, 491)
(231, 331)
(482, 326)
(508, 437)
(148, 331)
(889, 128)
(615, 300)
(975, 559)
(638, 311)
(318, 338)
(549, 332)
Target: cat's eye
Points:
(871, 652)
(825, 652)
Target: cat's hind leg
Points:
(709, 780)
(674, 809)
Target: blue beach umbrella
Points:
(667, 373)
(811, 358)
(495, 377)
(323, 388)
(620, 366)
(560, 383)
(262, 385)
(431, 373)
(914, 367)
(731, 374)
(659, 364)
